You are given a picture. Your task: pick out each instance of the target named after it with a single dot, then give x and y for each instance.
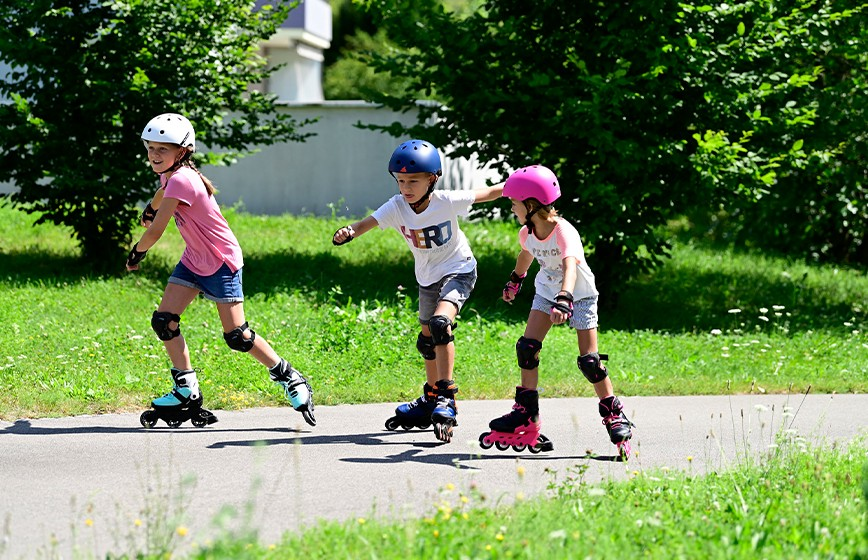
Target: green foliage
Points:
(645, 110)
(86, 77)
(783, 123)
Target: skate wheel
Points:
(308, 417)
(483, 443)
(519, 448)
(148, 418)
(535, 449)
(501, 445)
(392, 424)
(199, 422)
(173, 423)
(424, 426)
(407, 427)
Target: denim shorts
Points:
(454, 288)
(584, 311)
(224, 286)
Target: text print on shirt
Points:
(428, 237)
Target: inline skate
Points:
(445, 413)
(182, 403)
(416, 413)
(520, 428)
(298, 391)
(617, 424)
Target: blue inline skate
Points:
(416, 413)
(298, 391)
(182, 403)
(445, 414)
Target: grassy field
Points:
(708, 322)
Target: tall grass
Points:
(708, 322)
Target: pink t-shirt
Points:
(210, 242)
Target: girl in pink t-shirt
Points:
(210, 265)
(565, 293)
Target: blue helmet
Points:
(415, 156)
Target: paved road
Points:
(94, 484)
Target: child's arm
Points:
(513, 287)
(150, 211)
(350, 232)
(563, 308)
(487, 194)
(153, 233)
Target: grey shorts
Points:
(584, 311)
(454, 288)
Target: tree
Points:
(87, 76)
(640, 115)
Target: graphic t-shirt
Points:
(210, 242)
(437, 242)
(564, 241)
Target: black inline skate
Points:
(182, 403)
(416, 413)
(520, 428)
(617, 424)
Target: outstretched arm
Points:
(487, 194)
(350, 232)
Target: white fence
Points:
(342, 168)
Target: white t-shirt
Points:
(437, 242)
(564, 241)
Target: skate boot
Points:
(617, 425)
(298, 391)
(520, 428)
(445, 413)
(182, 403)
(416, 413)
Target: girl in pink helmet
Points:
(565, 293)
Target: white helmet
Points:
(170, 128)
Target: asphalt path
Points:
(90, 485)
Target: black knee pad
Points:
(235, 338)
(592, 366)
(160, 323)
(527, 351)
(440, 329)
(425, 346)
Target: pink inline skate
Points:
(520, 428)
(617, 425)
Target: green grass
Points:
(75, 343)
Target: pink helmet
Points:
(534, 181)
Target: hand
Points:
(343, 235)
(148, 215)
(562, 310)
(513, 287)
(135, 257)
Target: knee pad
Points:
(592, 366)
(440, 329)
(527, 351)
(236, 341)
(425, 346)
(160, 323)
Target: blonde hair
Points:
(187, 159)
(544, 211)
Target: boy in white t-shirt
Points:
(445, 270)
(565, 293)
